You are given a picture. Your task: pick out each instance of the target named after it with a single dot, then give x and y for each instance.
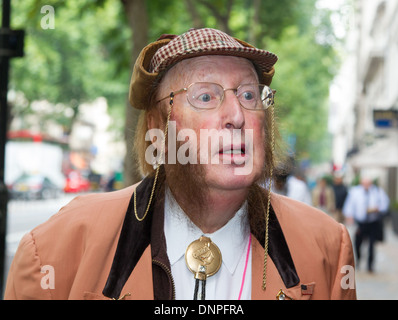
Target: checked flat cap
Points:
(171, 49)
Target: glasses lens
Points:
(249, 96)
(255, 96)
(204, 95)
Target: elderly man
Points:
(198, 226)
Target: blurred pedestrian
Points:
(323, 196)
(298, 190)
(288, 183)
(366, 204)
(340, 194)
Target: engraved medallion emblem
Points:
(203, 258)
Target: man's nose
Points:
(232, 111)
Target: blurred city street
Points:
(382, 284)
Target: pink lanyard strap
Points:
(244, 271)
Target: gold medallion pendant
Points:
(203, 259)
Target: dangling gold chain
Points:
(157, 169)
(268, 199)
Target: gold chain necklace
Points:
(264, 286)
(157, 168)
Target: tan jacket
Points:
(74, 254)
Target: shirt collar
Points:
(180, 231)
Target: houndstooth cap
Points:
(207, 41)
(170, 49)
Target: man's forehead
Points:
(200, 68)
(201, 62)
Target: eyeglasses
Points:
(208, 95)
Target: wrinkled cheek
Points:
(259, 149)
(207, 146)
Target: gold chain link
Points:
(157, 169)
(264, 286)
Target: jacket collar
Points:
(136, 236)
(279, 252)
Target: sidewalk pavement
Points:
(382, 284)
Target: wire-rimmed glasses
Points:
(208, 95)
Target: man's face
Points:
(236, 160)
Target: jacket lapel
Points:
(279, 252)
(276, 288)
(134, 239)
(139, 285)
(283, 282)
(274, 281)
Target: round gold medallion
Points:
(203, 258)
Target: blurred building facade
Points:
(364, 96)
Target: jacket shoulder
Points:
(320, 246)
(88, 210)
(302, 215)
(83, 234)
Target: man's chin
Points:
(227, 179)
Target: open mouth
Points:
(235, 155)
(233, 150)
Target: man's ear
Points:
(155, 129)
(152, 122)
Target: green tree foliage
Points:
(82, 58)
(88, 55)
(302, 78)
